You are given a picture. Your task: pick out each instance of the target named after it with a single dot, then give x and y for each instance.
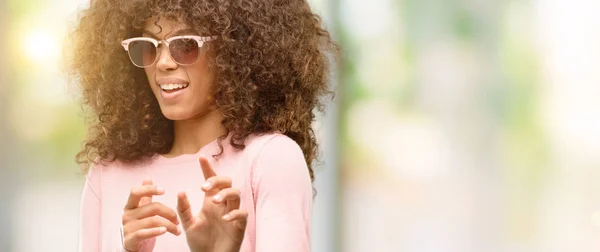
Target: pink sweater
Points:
(270, 172)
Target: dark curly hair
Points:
(271, 67)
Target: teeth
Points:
(173, 86)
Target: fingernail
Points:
(162, 229)
(218, 197)
(178, 230)
(207, 185)
(226, 217)
(160, 189)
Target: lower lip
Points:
(172, 95)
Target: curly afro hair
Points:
(271, 66)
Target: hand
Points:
(220, 225)
(144, 220)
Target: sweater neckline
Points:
(207, 150)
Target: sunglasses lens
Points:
(142, 53)
(184, 50)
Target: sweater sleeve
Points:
(90, 216)
(283, 197)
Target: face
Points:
(183, 91)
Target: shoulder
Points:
(276, 153)
(261, 143)
(103, 173)
(278, 166)
(100, 168)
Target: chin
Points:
(175, 114)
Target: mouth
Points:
(173, 87)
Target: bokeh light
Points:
(40, 46)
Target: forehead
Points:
(162, 27)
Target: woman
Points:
(201, 123)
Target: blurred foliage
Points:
(509, 91)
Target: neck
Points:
(193, 134)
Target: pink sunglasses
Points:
(184, 50)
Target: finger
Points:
(133, 240)
(138, 192)
(153, 222)
(216, 182)
(152, 209)
(207, 169)
(230, 196)
(184, 210)
(238, 215)
(146, 200)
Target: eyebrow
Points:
(185, 31)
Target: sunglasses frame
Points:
(199, 40)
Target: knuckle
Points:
(135, 236)
(153, 208)
(170, 214)
(155, 205)
(125, 218)
(166, 212)
(127, 231)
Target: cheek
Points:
(150, 76)
(202, 76)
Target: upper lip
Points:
(170, 80)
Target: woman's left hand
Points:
(220, 225)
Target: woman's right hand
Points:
(144, 220)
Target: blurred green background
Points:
(457, 126)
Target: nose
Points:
(165, 62)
